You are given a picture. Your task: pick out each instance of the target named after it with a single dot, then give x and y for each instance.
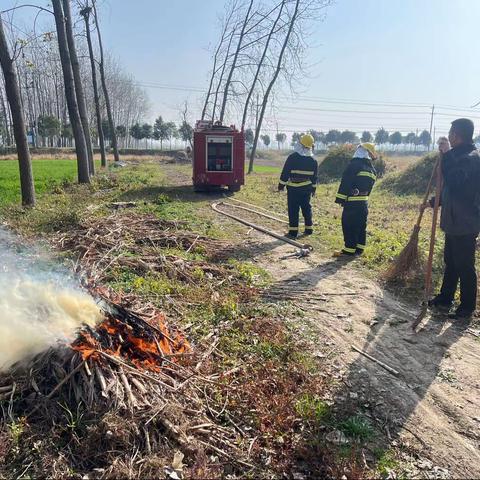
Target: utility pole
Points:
(434, 137)
(431, 124)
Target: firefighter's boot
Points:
(343, 254)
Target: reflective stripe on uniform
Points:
(349, 250)
(300, 184)
(341, 196)
(302, 172)
(294, 229)
(308, 226)
(361, 247)
(357, 199)
(366, 174)
(281, 182)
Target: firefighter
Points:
(299, 174)
(357, 183)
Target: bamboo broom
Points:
(428, 271)
(409, 257)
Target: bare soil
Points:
(433, 403)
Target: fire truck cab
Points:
(218, 157)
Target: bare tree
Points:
(80, 144)
(85, 12)
(234, 61)
(19, 127)
(113, 132)
(82, 106)
(217, 54)
(222, 73)
(271, 85)
(261, 62)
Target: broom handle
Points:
(427, 193)
(438, 191)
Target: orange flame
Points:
(144, 348)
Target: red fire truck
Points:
(218, 157)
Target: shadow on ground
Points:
(372, 408)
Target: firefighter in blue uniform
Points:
(299, 175)
(357, 183)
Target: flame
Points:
(144, 348)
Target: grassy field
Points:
(49, 174)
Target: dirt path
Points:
(433, 405)
(434, 402)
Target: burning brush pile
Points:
(97, 396)
(123, 362)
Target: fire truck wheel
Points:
(234, 188)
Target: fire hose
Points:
(304, 249)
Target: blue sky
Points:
(395, 51)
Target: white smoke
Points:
(39, 307)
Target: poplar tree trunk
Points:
(113, 133)
(80, 94)
(12, 91)
(270, 86)
(5, 119)
(86, 15)
(75, 121)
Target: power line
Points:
(346, 101)
(311, 109)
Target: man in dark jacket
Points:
(299, 175)
(460, 220)
(357, 183)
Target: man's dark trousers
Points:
(459, 256)
(298, 198)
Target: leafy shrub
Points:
(337, 159)
(414, 179)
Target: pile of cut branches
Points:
(143, 244)
(126, 391)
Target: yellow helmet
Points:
(307, 140)
(370, 147)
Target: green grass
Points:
(266, 169)
(48, 175)
(312, 408)
(357, 427)
(387, 462)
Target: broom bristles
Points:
(407, 259)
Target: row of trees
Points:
(162, 131)
(60, 87)
(380, 137)
(336, 137)
(53, 134)
(261, 51)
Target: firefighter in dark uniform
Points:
(357, 183)
(299, 175)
